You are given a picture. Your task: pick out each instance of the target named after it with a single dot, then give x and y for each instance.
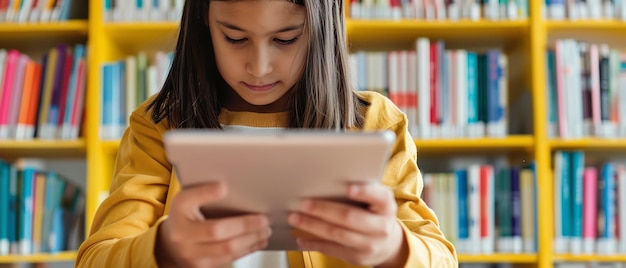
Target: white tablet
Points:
(270, 172)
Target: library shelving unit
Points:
(525, 41)
(35, 40)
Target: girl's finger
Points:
(346, 216)
(379, 197)
(189, 202)
(226, 228)
(237, 246)
(327, 231)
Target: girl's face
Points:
(260, 49)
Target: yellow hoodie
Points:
(125, 226)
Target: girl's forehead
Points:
(261, 15)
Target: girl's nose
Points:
(259, 64)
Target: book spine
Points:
(589, 207)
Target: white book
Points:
(473, 203)
(354, 70)
(164, 9)
(382, 10)
(10, 13)
(412, 98)
(608, 9)
(453, 11)
(355, 10)
(153, 87)
(418, 9)
(440, 9)
(393, 59)
(143, 12)
(367, 9)
(402, 79)
(423, 81)
(461, 93)
(396, 12)
(492, 10)
(573, 12)
(453, 206)
(56, 10)
(621, 100)
(22, 16)
(429, 10)
(595, 9)
(35, 14)
(556, 11)
(512, 10)
(178, 10)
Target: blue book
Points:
(46, 226)
(576, 173)
(115, 98)
(27, 180)
(54, 239)
(551, 92)
(607, 210)
(121, 116)
(493, 87)
(5, 184)
(107, 101)
(472, 88)
(566, 196)
(533, 168)
(504, 208)
(516, 209)
(462, 189)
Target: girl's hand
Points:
(186, 239)
(369, 237)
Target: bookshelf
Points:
(526, 40)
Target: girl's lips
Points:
(259, 88)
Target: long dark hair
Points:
(191, 96)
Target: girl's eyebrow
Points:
(286, 29)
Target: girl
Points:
(261, 64)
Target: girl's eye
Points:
(235, 41)
(286, 42)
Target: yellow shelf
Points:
(589, 144)
(59, 257)
(372, 32)
(137, 36)
(499, 258)
(110, 146)
(449, 145)
(12, 30)
(601, 25)
(589, 258)
(43, 148)
(36, 38)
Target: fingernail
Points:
(306, 205)
(355, 189)
(294, 219)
